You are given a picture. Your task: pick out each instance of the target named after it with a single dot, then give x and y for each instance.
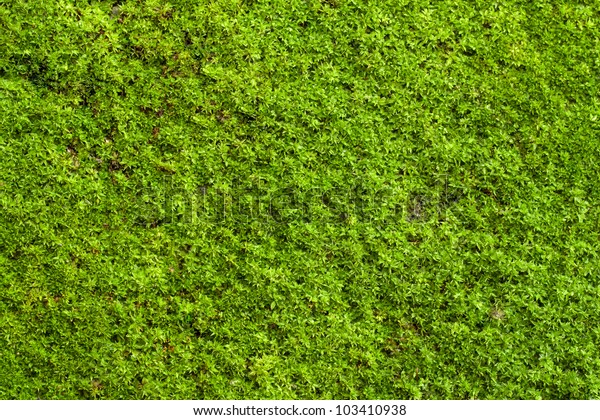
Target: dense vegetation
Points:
(299, 199)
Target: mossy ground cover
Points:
(467, 132)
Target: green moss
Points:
(466, 132)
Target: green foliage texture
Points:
(479, 118)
